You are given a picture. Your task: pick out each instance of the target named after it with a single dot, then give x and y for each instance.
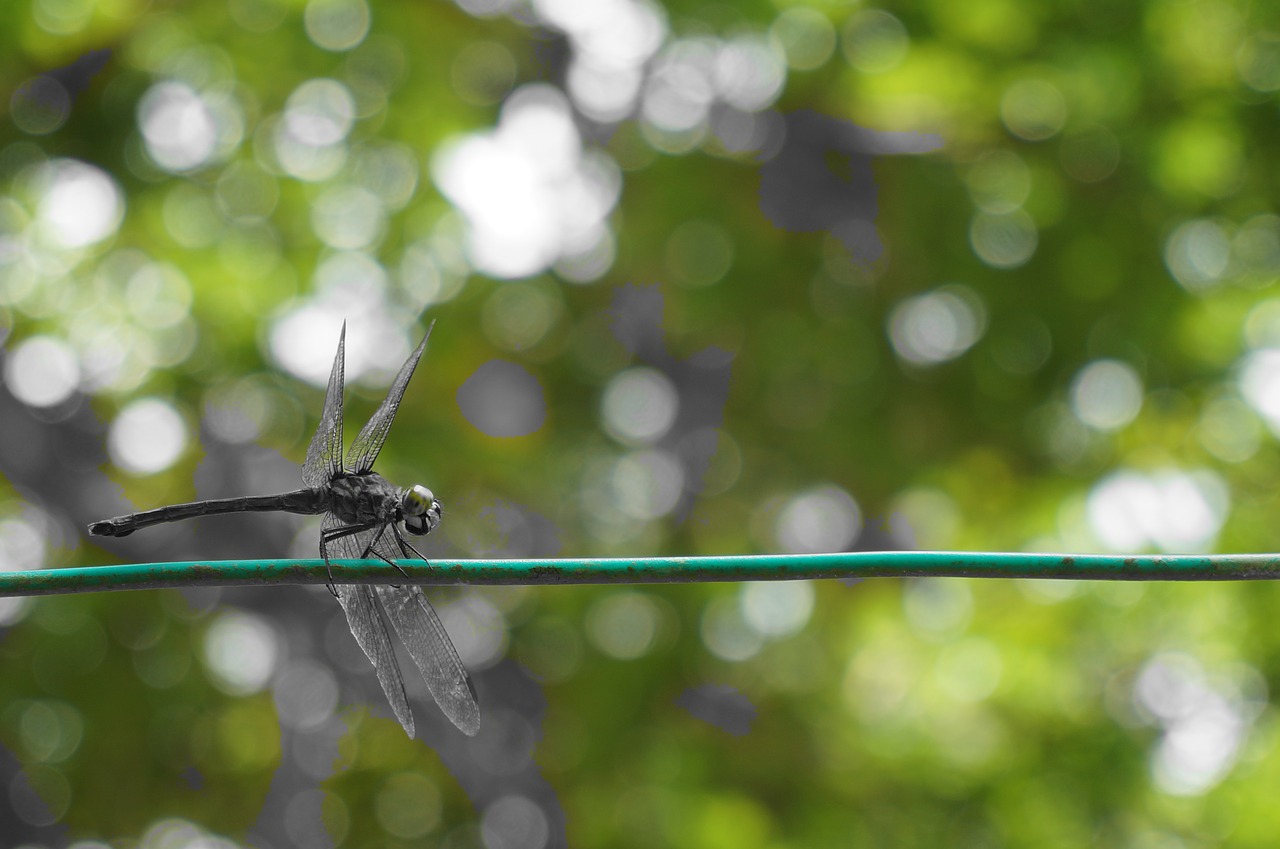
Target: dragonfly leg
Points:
(373, 544)
(406, 547)
(324, 555)
(329, 535)
(372, 549)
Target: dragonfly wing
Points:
(422, 633)
(324, 455)
(431, 649)
(366, 625)
(364, 451)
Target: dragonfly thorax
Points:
(370, 499)
(364, 499)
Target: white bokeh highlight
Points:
(938, 326)
(178, 127)
(1198, 254)
(1106, 394)
(823, 519)
(42, 371)
(611, 41)
(336, 25)
(148, 436)
(529, 193)
(240, 650)
(647, 484)
(309, 139)
(77, 204)
(1205, 721)
(639, 406)
(1170, 510)
(776, 609)
(1259, 382)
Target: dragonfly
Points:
(364, 515)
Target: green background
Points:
(1121, 159)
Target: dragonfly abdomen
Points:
(304, 501)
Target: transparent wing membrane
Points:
(364, 451)
(324, 455)
(366, 625)
(420, 630)
(422, 633)
(432, 651)
(417, 625)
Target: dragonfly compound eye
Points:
(421, 510)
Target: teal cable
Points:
(649, 570)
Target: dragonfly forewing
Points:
(366, 626)
(364, 450)
(324, 454)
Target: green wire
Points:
(648, 570)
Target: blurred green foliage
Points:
(1069, 342)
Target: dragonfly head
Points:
(420, 511)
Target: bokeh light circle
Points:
(79, 204)
(336, 25)
(147, 437)
(42, 371)
(639, 406)
(1106, 394)
(936, 326)
(806, 37)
